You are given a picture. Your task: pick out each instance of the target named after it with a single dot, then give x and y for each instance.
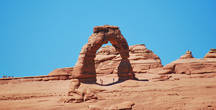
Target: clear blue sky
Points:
(38, 36)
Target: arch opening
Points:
(85, 67)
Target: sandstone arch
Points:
(85, 66)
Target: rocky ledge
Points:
(187, 64)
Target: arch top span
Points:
(85, 66)
(103, 28)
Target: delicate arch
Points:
(85, 66)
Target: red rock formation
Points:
(35, 78)
(193, 65)
(127, 105)
(107, 61)
(85, 66)
(187, 55)
(211, 54)
(141, 59)
(62, 71)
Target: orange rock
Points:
(191, 65)
(85, 66)
(187, 55)
(127, 105)
(62, 71)
(211, 54)
(141, 59)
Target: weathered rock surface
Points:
(211, 54)
(192, 65)
(107, 61)
(187, 55)
(95, 107)
(34, 78)
(62, 71)
(85, 66)
(127, 105)
(172, 91)
(141, 59)
(78, 93)
(160, 71)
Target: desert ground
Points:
(150, 92)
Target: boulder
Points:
(78, 93)
(187, 55)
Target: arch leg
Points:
(125, 70)
(85, 67)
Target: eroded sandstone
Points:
(211, 54)
(62, 71)
(85, 66)
(141, 59)
(189, 65)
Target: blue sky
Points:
(38, 36)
